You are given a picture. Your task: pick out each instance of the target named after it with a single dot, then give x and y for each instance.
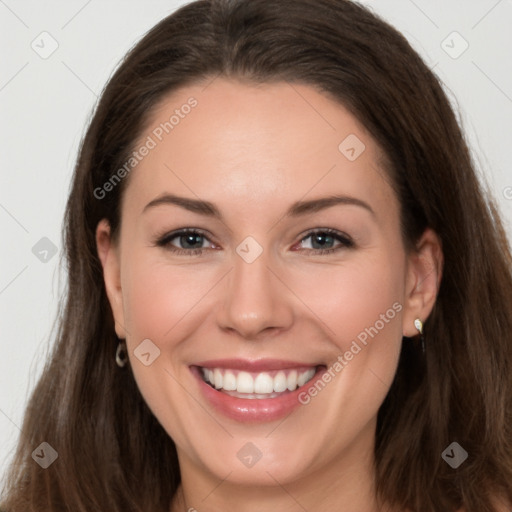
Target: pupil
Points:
(190, 239)
(321, 239)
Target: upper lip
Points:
(259, 365)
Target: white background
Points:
(45, 104)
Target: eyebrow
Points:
(297, 209)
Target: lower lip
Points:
(256, 410)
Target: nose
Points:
(256, 299)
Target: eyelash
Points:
(164, 241)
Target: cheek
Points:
(348, 299)
(155, 300)
(156, 296)
(144, 301)
(354, 298)
(360, 308)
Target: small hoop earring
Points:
(121, 355)
(419, 326)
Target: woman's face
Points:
(267, 178)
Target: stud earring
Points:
(419, 326)
(121, 355)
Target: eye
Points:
(324, 238)
(192, 241)
(189, 238)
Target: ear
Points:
(108, 253)
(423, 279)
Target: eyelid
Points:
(163, 240)
(346, 241)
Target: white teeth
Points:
(301, 379)
(217, 377)
(245, 383)
(229, 383)
(291, 381)
(259, 385)
(280, 383)
(263, 383)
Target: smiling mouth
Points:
(257, 385)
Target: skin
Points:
(253, 151)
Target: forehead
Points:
(255, 147)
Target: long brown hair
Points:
(112, 452)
